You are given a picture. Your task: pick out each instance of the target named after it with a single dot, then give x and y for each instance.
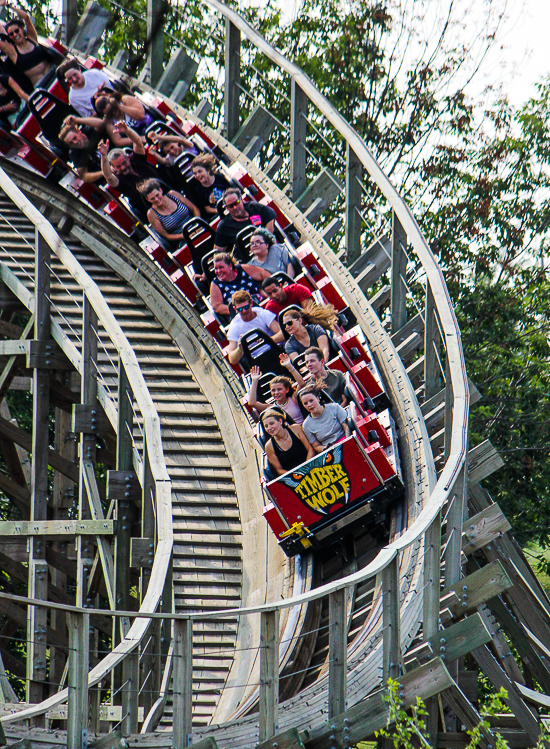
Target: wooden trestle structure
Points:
(155, 601)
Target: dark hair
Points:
(15, 22)
(309, 389)
(147, 187)
(271, 280)
(107, 105)
(233, 191)
(315, 351)
(266, 235)
(70, 64)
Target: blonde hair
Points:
(274, 414)
(282, 380)
(241, 295)
(315, 314)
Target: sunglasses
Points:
(288, 323)
(233, 204)
(244, 308)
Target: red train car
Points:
(351, 484)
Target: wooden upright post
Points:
(354, 196)
(232, 79)
(155, 34)
(298, 135)
(269, 673)
(430, 622)
(85, 544)
(125, 425)
(398, 274)
(69, 17)
(37, 621)
(455, 521)
(77, 706)
(431, 344)
(391, 620)
(337, 652)
(183, 684)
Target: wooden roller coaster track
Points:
(155, 601)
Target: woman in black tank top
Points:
(23, 50)
(288, 446)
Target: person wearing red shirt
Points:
(281, 297)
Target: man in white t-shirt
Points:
(83, 86)
(248, 318)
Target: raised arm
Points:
(29, 25)
(171, 139)
(286, 361)
(277, 336)
(322, 342)
(137, 143)
(253, 392)
(111, 178)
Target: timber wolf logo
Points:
(321, 482)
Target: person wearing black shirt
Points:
(240, 215)
(82, 141)
(10, 99)
(207, 185)
(124, 172)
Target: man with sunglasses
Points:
(247, 318)
(239, 215)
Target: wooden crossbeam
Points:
(483, 528)
(371, 714)
(483, 460)
(479, 587)
(56, 527)
(24, 440)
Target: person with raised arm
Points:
(124, 172)
(82, 136)
(29, 58)
(288, 446)
(282, 389)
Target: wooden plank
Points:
(483, 460)
(14, 348)
(468, 715)
(79, 661)
(20, 494)
(483, 528)
(479, 587)
(142, 551)
(354, 197)
(46, 354)
(56, 527)
(337, 646)
(501, 648)
(90, 419)
(269, 673)
(290, 739)
(104, 547)
(123, 485)
(391, 621)
(183, 684)
(298, 134)
(460, 638)
(499, 679)
(371, 714)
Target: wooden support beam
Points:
(104, 546)
(255, 131)
(354, 199)
(371, 714)
(298, 135)
(499, 679)
(479, 587)
(337, 649)
(269, 673)
(46, 355)
(22, 438)
(232, 89)
(130, 691)
(183, 684)
(484, 528)
(35, 528)
(14, 491)
(483, 460)
(398, 275)
(391, 621)
(468, 715)
(454, 524)
(77, 707)
(156, 10)
(290, 739)
(432, 342)
(10, 367)
(37, 618)
(123, 486)
(90, 419)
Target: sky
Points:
(527, 48)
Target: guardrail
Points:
(443, 362)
